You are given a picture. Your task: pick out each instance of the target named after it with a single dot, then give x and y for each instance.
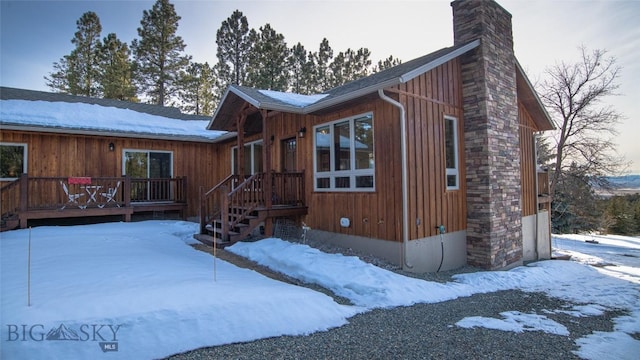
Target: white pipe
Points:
(405, 196)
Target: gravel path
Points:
(422, 331)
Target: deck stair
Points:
(232, 210)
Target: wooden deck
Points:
(68, 197)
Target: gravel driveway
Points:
(421, 331)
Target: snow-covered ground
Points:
(138, 290)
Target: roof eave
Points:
(439, 61)
(542, 108)
(89, 132)
(392, 82)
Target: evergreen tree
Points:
(386, 64)
(302, 70)
(78, 73)
(268, 60)
(159, 54)
(322, 59)
(575, 207)
(57, 80)
(117, 70)
(196, 94)
(350, 65)
(234, 45)
(620, 216)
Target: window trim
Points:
(352, 173)
(251, 144)
(455, 171)
(25, 158)
(124, 159)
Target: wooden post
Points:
(224, 212)
(29, 272)
(240, 158)
(183, 198)
(202, 211)
(268, 173)
(127, 196)
(24, 200)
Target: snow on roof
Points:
(91, 117)
(292, 99)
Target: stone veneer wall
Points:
(492, 150)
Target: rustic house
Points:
(430, 164)
(73, 156)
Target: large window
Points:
(343, 156)
(148, 164)
(143, 164)
(451, 152)
(13, 160)
(252, 158)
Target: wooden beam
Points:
(268, 178)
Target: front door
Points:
(287, 186)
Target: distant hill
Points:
(625, 182)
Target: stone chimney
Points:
(491, 134)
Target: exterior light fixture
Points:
(302, 131)
(112, 146)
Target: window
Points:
(451, 151)
(148, 164)
(142, 164)
(13, 160)
(343, 156)
(252, 158)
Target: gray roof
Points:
(352, 90)
(7, 93)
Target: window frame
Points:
(25, 157)
(124, 159)
(251, 144)
(455, 171)
(332, 174)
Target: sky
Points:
(60, 283)
(35, 34)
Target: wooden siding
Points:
(52, 154)
(527, 162)
(427, 99)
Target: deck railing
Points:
(60, 193)
(244, 197)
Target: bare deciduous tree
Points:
(574, 94)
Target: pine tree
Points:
(620, 216)
(386, 64)
(159, 52)
(323, 58)
(196, 89)
(234, 45)
(301, 69)
(117, 70)
(350, 65)
(78, 73)
(268, 60)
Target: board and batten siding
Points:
(378, 214)
(527, 162)
(67, 155)
(428, 98)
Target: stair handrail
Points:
(248, 195)
(204, 197)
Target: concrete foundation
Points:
(423, 255)
(536, 247)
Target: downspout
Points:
(405, 196)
